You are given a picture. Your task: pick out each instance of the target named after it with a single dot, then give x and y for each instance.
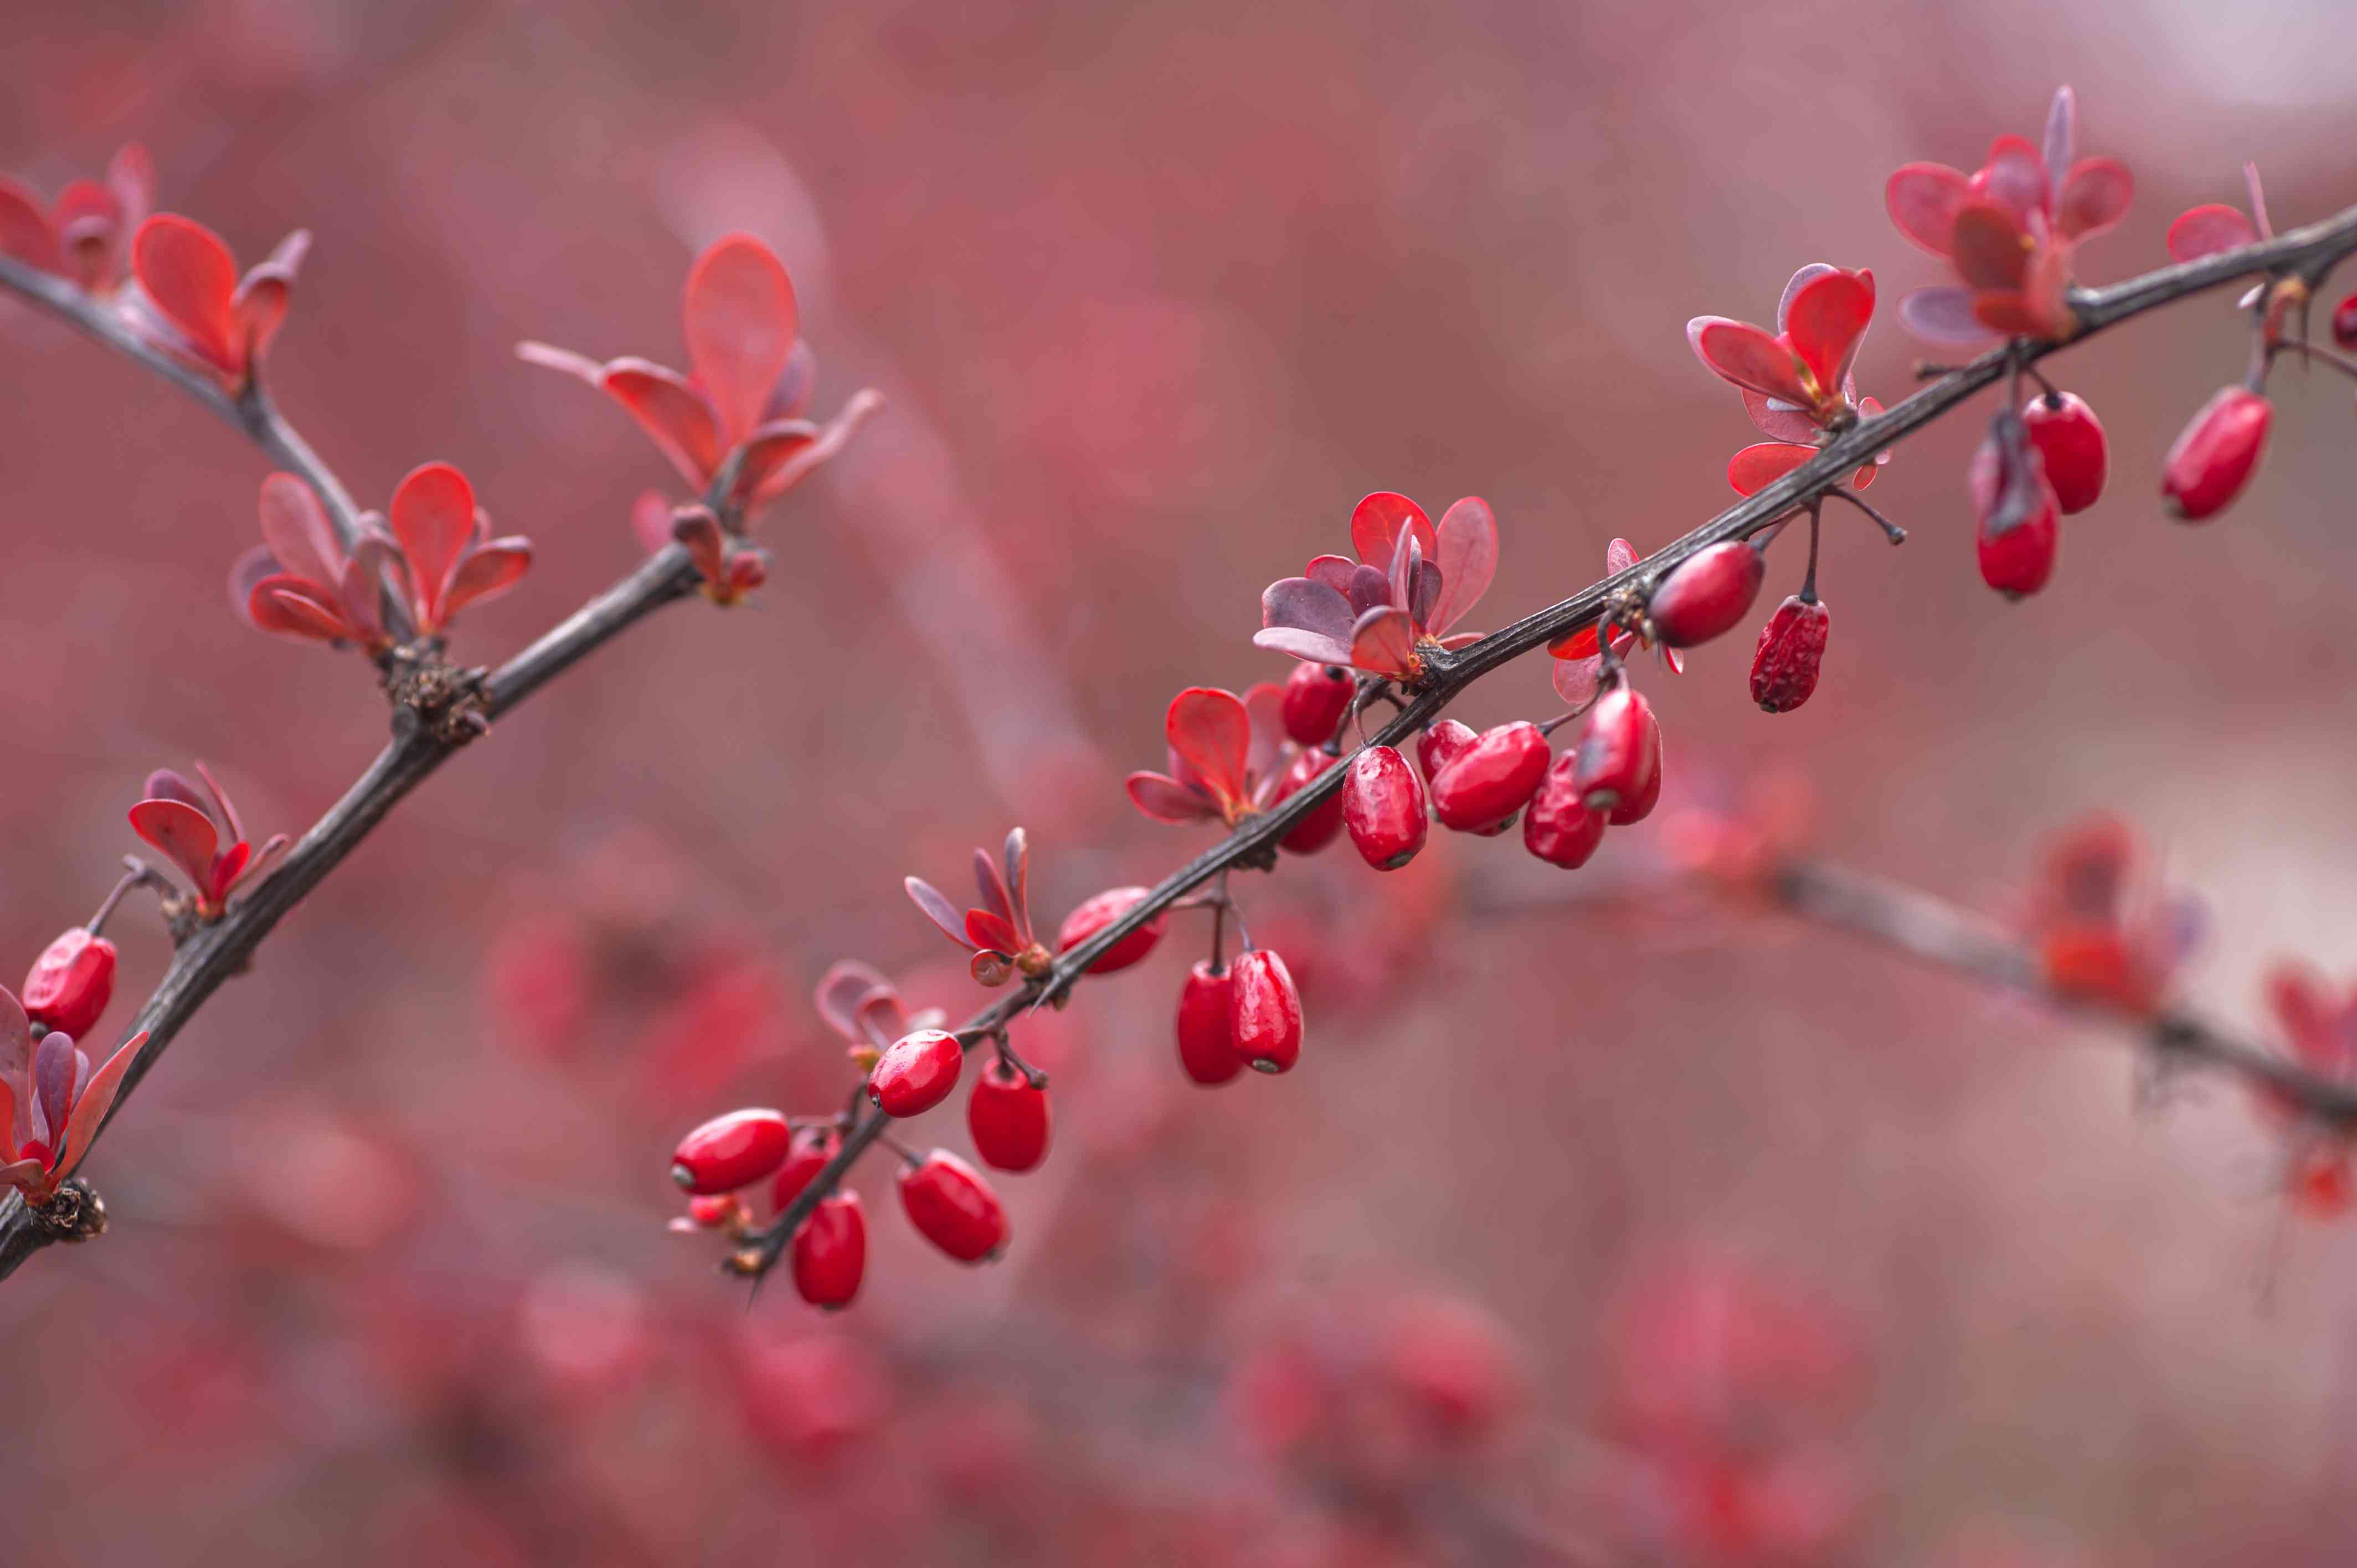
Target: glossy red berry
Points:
(2215, 455)
(1612, 761)
(1706, 593)
(915, 1073)
(1316, 831)
(830, 1251)
(1315, 697)
(1439, 744)
(72, 983)
(953, 1207)
(2069, 438)
(1008, 1118)
(1639, 804)
(2344, 323)
(1791, 647)
(732, 1151)
(1383, 807)
(1487, 782)
(1101, 911)
(1207, 1029)
(1559, 828)
(1265, 1011)
(813, 1148)
(2019, 520)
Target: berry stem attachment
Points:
(1808, 581)
(1015, 1063)
(1890, 531)
(137, 875)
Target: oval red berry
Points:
(732, 1151)
(1207, 1031)
(1101, 911)
(915, 1073)
(1265, 1011)
(1315, 697)
(953, 1207)
(1706, 593)
(1008, 1118)
(1384, 808)
(1484, 783)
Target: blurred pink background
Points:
(1589, 1231)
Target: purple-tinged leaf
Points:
(90, 1111)
(28, 1176)
(1992, 247)
(53, 1076)
(2259, 195)
(1575, 680)
(26, 233)
(882, 1019)
(1383, 642)
(1778, 420)
(2062, 146)
(671, 411)
(1264, 708)
(1334, 570)
(548, 357)
(841, 989)
(790, 393)
(1619, 556)
(167, 784)
(2094, 198)
(1309, 645)
(16, 1064)
(938, 909)
(1466, 555)
(1740, 352)
(1167, 800)
(1943, 315)
(488, 571)
(296, 527)
(1923, 200)
(766, 477)
(1399, 572)
(292, 607)
(698, 533)
(1306, 604)
(1377, 522)
(2015, 179)
(223, 811)
(1371, 589)
(2207, 229)
(1212, 734)
(360, 594)
(1017, 855)
(990, 889)
(1423, 593)
(179, 831)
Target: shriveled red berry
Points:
(1101, 911)
(1639, 804)
(2069, 438)
(830, 1251)
(1706, 593)
(953, 1207)
(1384, 808)
(1791, 647)
(2215, 455)
(2018, 524)
(1316, 831)
(915, 1073)
(1207, 1028)
(1316, 696)
(1559, 828)
(732, 1151)
(1612, 761)
(1008, 1118)
(70, 983)
(1265, 1011)
(813, 1147)
(2344, 322)
(1487, 782)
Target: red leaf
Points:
(698, 532)
(189, 276)
(433, 515)
(937, 909)
(674, 413)
(1740, 352)
(1827, 320)
(488, 571)
(2094, 198)
(740, 320)
(773, 477)
(185, 835)
(1211, 733)
(296, 527)
(90, 1111)
(1923, 199)
(294, 608)
(1992, 247)
(985, 929)
(1383, 642)
(2015, 177)
(1466, 555)
(1166, 799)
(840, 992)
(2205, 230)
(1376, 523)
(1755, 467)
(25, 234)
(89, 223)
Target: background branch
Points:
(2308, 252)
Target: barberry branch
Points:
(1954, 938)
(215, 952)
(2305, 253)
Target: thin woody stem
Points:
(2308, 253)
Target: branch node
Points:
(76, 1213)
(446, 702)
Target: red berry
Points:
(1487, 782)
(953, 1207)
(1101, 911)
(915, 1073)
(1613, 754)
(1008, 1118)
(1265, 1012)
(1207, 1029)
(1316, 696)
(831, 1252)
(714, 1210)
(2344, 322)
(1316, 831)
(72, 983)
(813, 1147)
(1706, 594)
(1791, 646)
(2018, 526)
(732, 1151)
(2069, 438)
(1559, 828)
(2214, 459)
(1638, 804)
(1383, 807)
(1439, 745)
